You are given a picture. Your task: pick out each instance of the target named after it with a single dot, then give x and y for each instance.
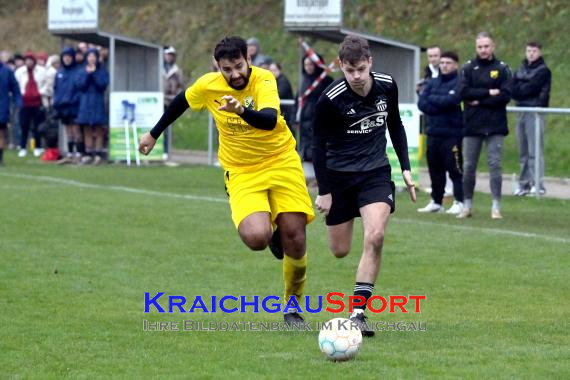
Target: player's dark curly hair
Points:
(230, 48)
(354, 49)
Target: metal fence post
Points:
(537, 136)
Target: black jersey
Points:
(350, 130)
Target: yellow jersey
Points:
(243, 147)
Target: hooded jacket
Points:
(531, 84)
(92, 88)
(8, 87)
(66, 96)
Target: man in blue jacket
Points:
(531, 88)
(441, 103)
(485, 90)
(8, 86)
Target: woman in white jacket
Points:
(32, 80)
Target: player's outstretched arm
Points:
(174, 111)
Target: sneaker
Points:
(38, 152)
(465, 213)
(86, 160)
(360, 320)
(455, 209)
(276, 246)
(496, 213)
(521, 192)
(542, 191)
(293, 319)
(65, 160)
(97, 160)
(431, 207)
(22, 153)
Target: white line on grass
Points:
(69, 182)
(491, 231)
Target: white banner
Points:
(130, 115)
(313, 13)
(73, 14)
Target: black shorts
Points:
(67, 120)
(351, 191)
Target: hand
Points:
(146, 144)
(324, 203)
(410, 184)
(90, 68)
(232, 105)
(494, 91)
(473, 103)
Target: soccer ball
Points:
(340, 339)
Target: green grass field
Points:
(81, 245)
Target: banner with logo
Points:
(131, 114)
(410, 115)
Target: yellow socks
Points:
(294, 276)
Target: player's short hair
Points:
(534, 44)
(230, 48)
(354, 49)
(451, 55)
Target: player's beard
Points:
(242, 81)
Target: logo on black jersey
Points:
(381, 105)
(368, 123)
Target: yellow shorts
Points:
(276, 189)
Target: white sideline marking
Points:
(492, 231)
(69, 182)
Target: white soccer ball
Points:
(340, 339)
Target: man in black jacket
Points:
(485, 91)
(442, 105)
(531, 88)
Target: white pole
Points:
(127, 132)
(537, 154)
(135, 136)
(210, 140)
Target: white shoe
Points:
(22, 153)
(542, 191)
(496, 213)
(431, 207)
(465, 213)
(455, 209)
(38, 152)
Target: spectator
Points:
(431, 71)
(484, 88)
(441, 103)
(285, 92)
(172, 75)
(307, 113)
(92, 81)
(41, 59)
(32, 81)
(173, 84)
(18, 61)
(66, 104)
(8, 89)
(52, 66)
(531, 88)
(79, 57)
(254, 52)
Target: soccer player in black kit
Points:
(351, 165)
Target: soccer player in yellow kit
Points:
(262, 170)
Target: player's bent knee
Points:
(256, 241)
(374, 239)
(339, 250)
